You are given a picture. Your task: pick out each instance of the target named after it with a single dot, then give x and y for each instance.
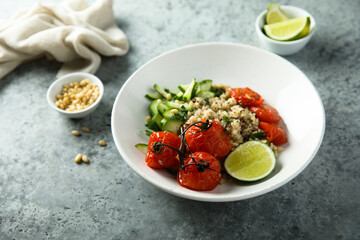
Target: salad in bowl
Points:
(193, 130)
(233, 68)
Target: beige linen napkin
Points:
(71, 32)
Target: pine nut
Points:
(85, 129)
(74, 93)
(85, 159)
(75, 133)
(174, 111)
(78, 158)
(102, 143)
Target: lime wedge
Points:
(251, 161)
(289, 29)
(275, 14)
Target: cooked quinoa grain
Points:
(237, 121)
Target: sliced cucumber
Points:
(157, 119)
(142, 147)
(160, 91)
(175, 116)
(184, 107)
(171, 92)
(179, 95)
(153, 96)
(153, 107)
(171, 125)
(153, 125)
(183, 88)
(205, 85)
(189, 93)
(162, 108)
(205, 94)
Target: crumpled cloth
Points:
(70, 32)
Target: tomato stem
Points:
(201, 164)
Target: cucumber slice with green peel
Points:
(205, 94)
(157, 119)
(142, 147)
(183, 88)
(171, 125)
(189, 93)
(153, 96)
(153, 125)
(161, 91)
(171, 92)
(196, 89)
(178, 96)
(153, 107)
(183, 107)
(205, 85)
(162, 107)
(175, 116)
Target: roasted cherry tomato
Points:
(246, 97)
(163, 157)
(266, 113)
(198, 177)
(274, 133)
(213, 140)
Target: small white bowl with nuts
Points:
(75, 95)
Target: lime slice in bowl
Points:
(251, 161)
(275, 14)
(289, 29)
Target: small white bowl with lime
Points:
(284, 30)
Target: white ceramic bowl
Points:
(279, 82)
(56, 87)
(284, 47)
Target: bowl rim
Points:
(206, 198)
(82, 75)
(261, 34)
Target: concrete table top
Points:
(45, 195)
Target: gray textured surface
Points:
(45, 195)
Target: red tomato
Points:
(246, 97)
(266, 113)
(213, 140)
(200, 180)
(274, 133)
(167, 157)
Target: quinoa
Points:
(237, 121)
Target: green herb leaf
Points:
(218, 92)
(258, 135)
(179, 116)
(226, 119)
(147, 132)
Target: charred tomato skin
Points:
(246, 97)
(166, 157)
(266, 113)
(206, 180)
(274, 133)
(214, 140)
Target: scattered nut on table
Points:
(85, 129)
(78, 158)
(102, 143)
(75, 133)
(85, 159)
